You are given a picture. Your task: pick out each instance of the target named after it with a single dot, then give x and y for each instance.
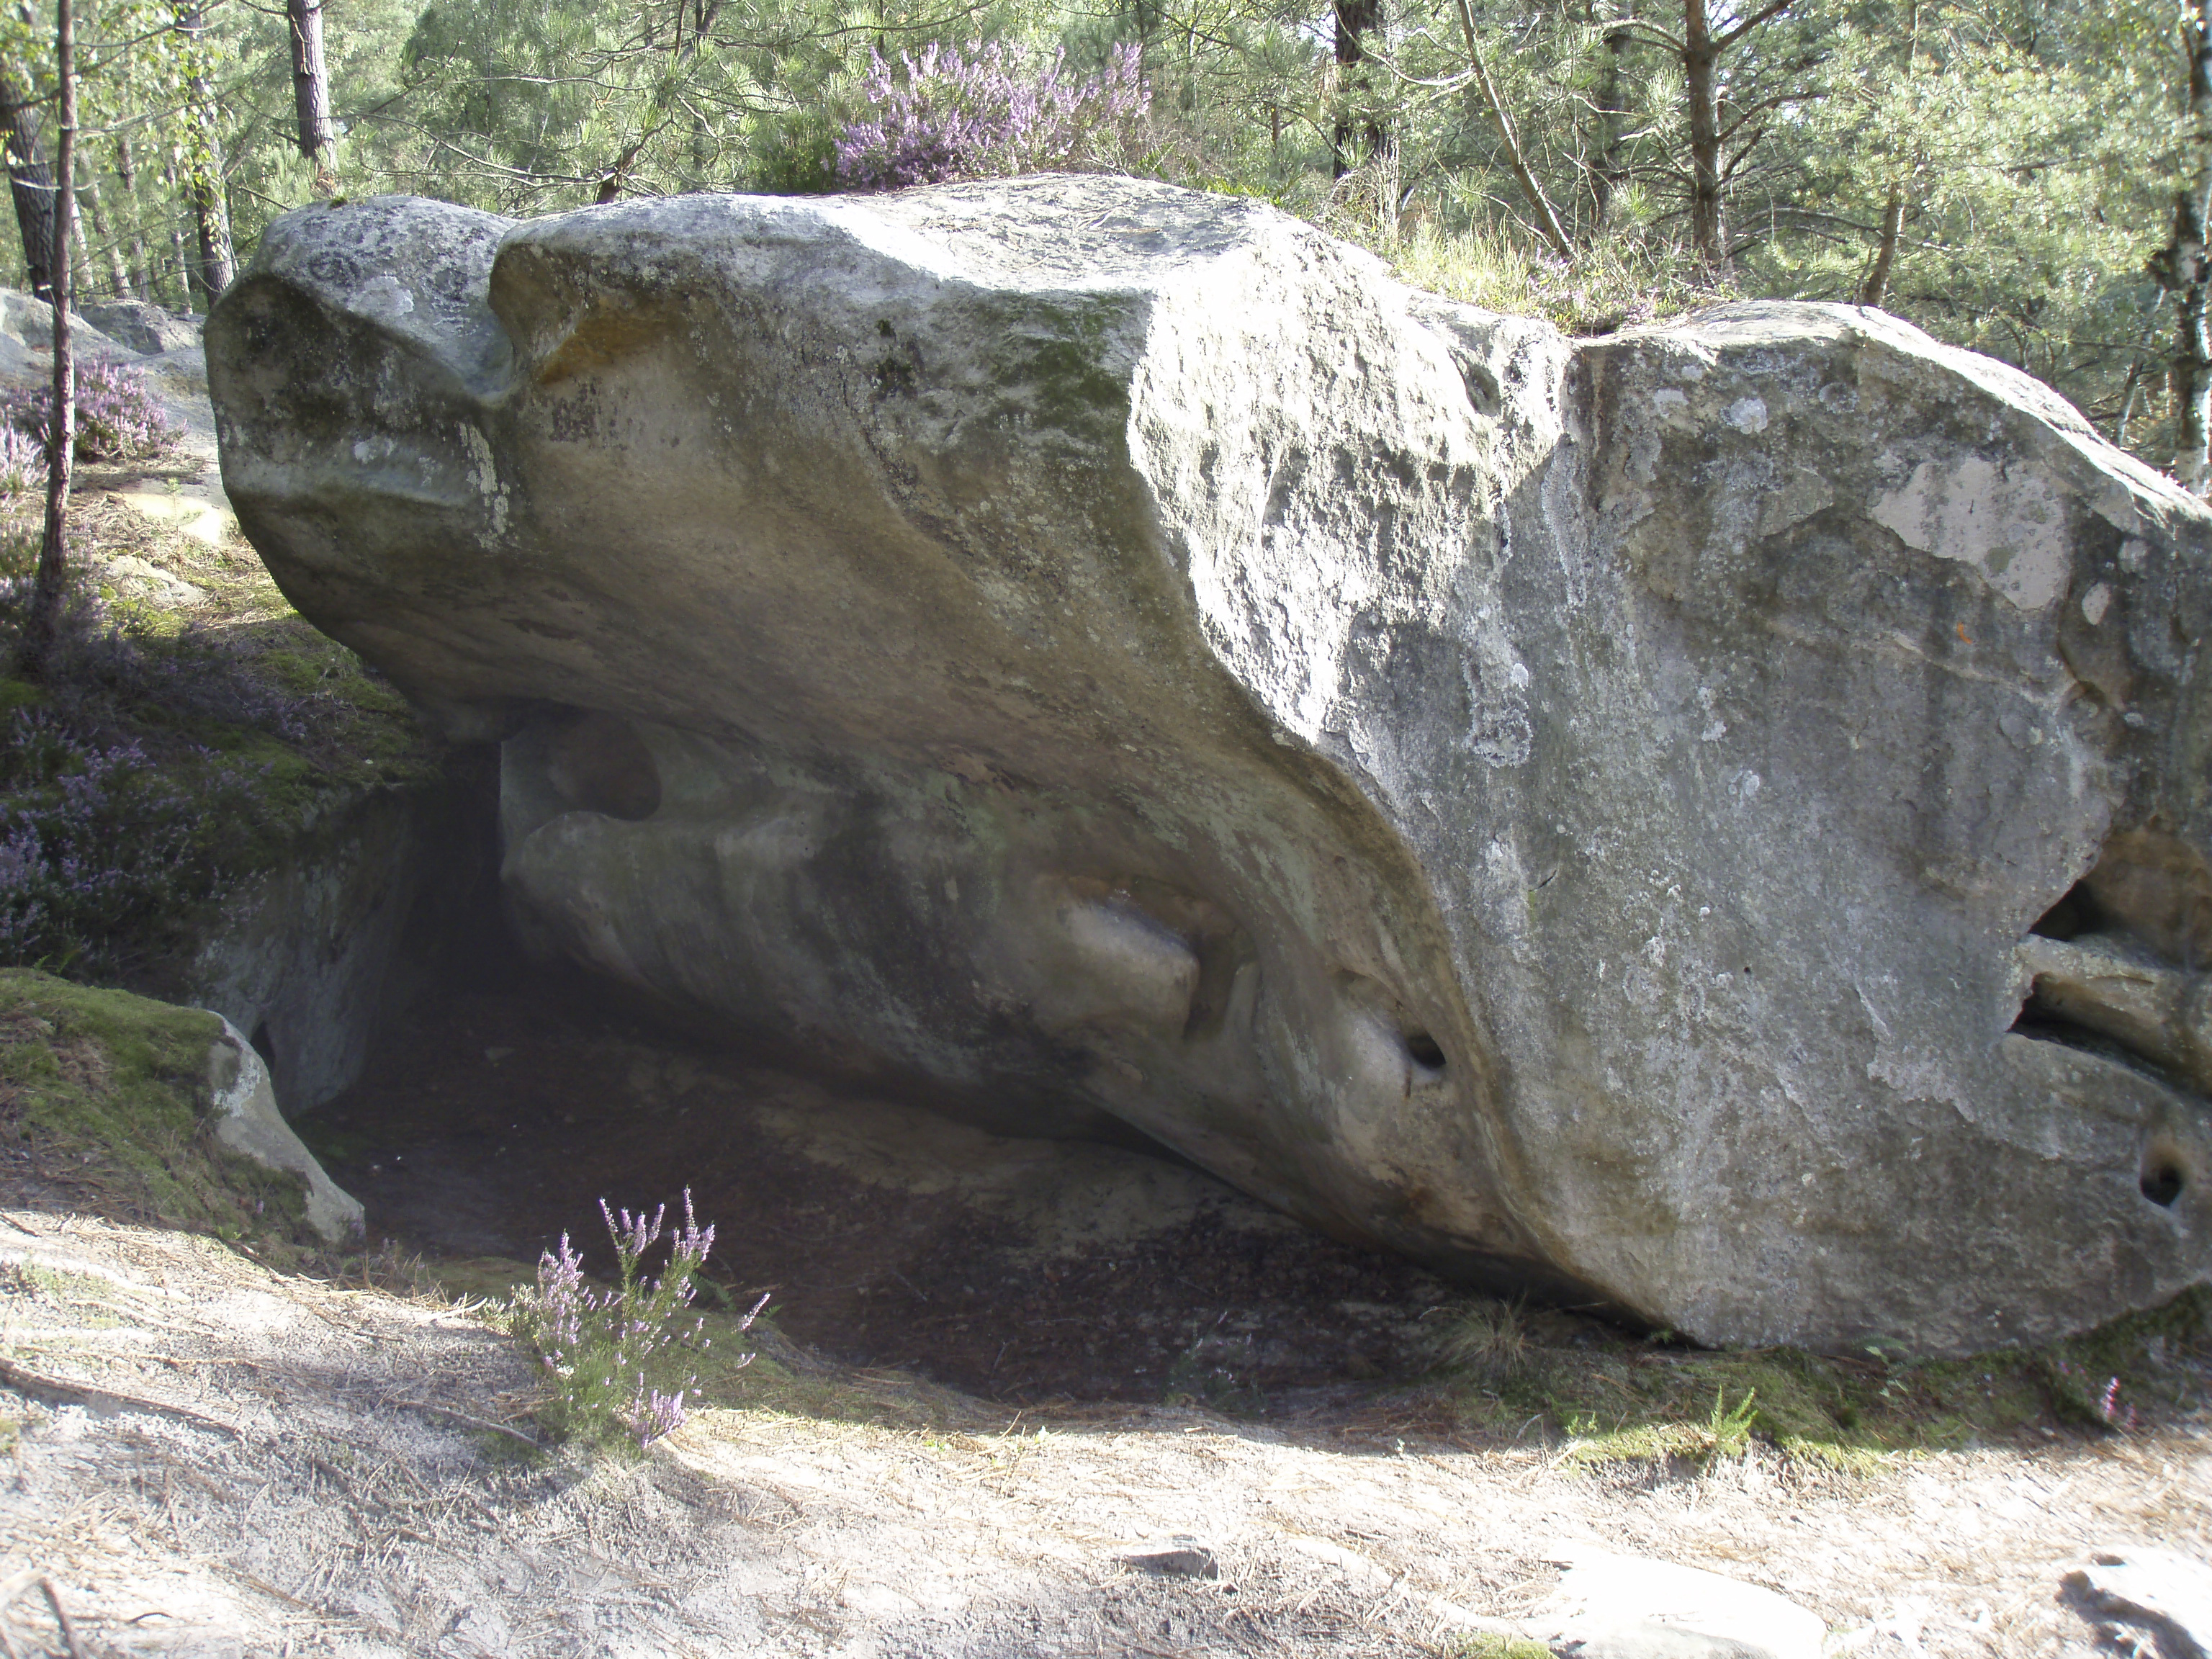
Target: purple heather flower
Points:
(997, 110)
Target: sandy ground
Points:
(213, 1459)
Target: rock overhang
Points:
(1579, 811)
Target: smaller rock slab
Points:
(2155, 1587)
(198, 510)
(1629, 1606)
(141, 326)
(248, 1122)
(135, 578)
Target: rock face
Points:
(144, 328)
(1710, 821)
(367, 910)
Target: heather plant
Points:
(114, 825)
(22, 464)
(98, 842)
(101, 662)
(2080, 1397)
(991, 111)
(605, 1350)
(118, 418)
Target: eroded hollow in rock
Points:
(493, 1119)
(2121, 973)
(591, 761)
(2163, 1179)
(2146, 886)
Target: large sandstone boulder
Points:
(1710, 822)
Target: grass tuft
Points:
(1618, 1400)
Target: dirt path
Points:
(222, 1461)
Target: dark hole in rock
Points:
(2074, 915)
(599, 763)
(263, 1047)
(1387, 1012)
(2162, 1182)
(2041, 1019)
(2045, 1018)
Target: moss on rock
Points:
(107, 1096)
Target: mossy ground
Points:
(1614, 1399)
(360, 729)
(105, 1096)
(1486, 1646)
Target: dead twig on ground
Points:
(464, 1417)
(8, 1593)
(61, 1618)
(86, 1393)
(13, 1591)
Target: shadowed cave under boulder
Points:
(493, 1116)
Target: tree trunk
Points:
(43, 624)
(1610, 170)
(2182, 266)
(180, 253)
(610, 182)
(311, 91)
(2128, 393)
(142, 268)
(1354, 18)
(2192, 348)
(1876, 289)
(1701, 74)
(211, 219)
(1548, 217)
(30, 181)
(204, 179)
(79, 244)
(118, 275)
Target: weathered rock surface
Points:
(1609, 1606)
(1581, 812)
(144, 328)
(2161, 1588)
(248, 1121)
(369, 907)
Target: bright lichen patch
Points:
(1484, 1645)
(107, 1095)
